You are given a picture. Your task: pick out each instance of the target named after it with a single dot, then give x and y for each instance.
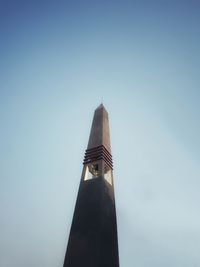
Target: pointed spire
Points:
(93, 235)
(101, 106)
(99, 134)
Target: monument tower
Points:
(93, 235)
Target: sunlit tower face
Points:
(93, 236)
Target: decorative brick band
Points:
(98, 153)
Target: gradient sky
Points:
(58, 61)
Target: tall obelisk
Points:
(93, 237)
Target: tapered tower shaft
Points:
(93, 236)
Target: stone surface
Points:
(100, 134)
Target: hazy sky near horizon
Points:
(58, 61)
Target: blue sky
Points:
(59, 60)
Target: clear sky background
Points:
(58, 60)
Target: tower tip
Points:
(101, 106)
(99, 134)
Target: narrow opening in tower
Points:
(91, 171)
(108, 174)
